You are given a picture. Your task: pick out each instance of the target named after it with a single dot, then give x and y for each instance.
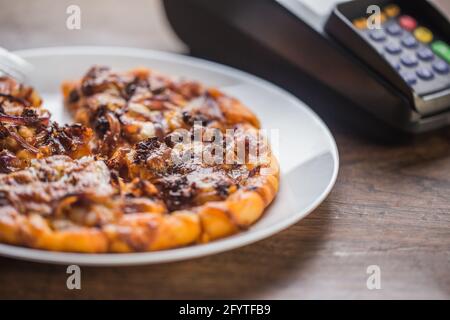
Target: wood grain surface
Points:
(390, 207)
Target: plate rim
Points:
(189, 252)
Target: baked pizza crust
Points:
(119, 194)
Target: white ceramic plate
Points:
(306, 149)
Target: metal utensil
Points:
(12, 65)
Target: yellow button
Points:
(382, 17)
(423, 34)
(392, 10)
(360, 23)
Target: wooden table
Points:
(390, 207)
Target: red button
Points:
(407, 22)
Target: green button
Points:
(442, 50)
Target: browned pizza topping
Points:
(26, 120)
(188, 89)
(13, 93)
(48, 181)
(144, 104)
(19, 141)
(95, 80)
(13, 99)
(8, 162)
(67, 140)
(129, 158)
(177, 192)
(254, 171)
(202, 110)
(145, 148)
(74, 96)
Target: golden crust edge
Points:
(205, 223)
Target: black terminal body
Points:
(398, 71)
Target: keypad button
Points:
(441, 49)
(377, 35)
(381, 17)
(409, 60)
(441, 67)
(425, 73)
(407, 22)
(394, 29)
(360, 23)
(393, 48)
(423, 34)
(409, 77)
(425, 54)
(392, 10)
(409, 42)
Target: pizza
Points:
(150, 163)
